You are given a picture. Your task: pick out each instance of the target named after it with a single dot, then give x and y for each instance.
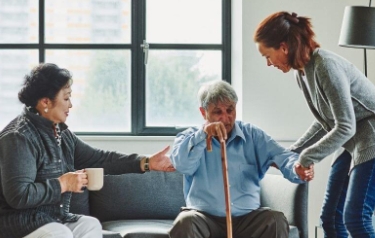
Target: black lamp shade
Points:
(358, 27)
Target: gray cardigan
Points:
(342, 100)
(31, 162)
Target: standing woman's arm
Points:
(334, 84)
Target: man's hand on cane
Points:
(214, 129)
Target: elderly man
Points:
(250, 152)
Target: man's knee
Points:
(273, 216)
(276, 221)
(279, 217)
(184, 220)
(282, 225)
(186, 225)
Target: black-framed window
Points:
(136, 64)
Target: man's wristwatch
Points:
(146, 165)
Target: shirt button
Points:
(61, 205)
(59, 160)
(231, 203)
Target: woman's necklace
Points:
(57, 134)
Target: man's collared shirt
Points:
(250, 152)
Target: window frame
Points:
(138, 69)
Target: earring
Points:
(45, 110)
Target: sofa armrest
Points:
(280, 194)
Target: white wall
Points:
(269, 98)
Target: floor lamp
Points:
(358, 29)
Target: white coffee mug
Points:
(95, 178)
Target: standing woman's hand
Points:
(306, 174)
(73, 181)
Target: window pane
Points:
(88, 21)
(101, 88)
(184, 21)
(172, 83)
(14, 65)
(19, 21)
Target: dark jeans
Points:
(261, 223)
(349, 200)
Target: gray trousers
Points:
(261, 223)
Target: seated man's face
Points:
(224, 112)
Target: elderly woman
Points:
(42, 162)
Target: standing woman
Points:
(342, 100)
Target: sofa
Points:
(145, 205)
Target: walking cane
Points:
(226, 183)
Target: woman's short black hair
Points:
(44, 81)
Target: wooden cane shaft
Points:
(226, 189)
(209, 143)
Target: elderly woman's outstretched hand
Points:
(161, 162)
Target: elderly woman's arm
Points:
(19, 164)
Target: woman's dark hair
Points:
(295, 31)
(44, 81)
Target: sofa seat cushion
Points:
(140, 228)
